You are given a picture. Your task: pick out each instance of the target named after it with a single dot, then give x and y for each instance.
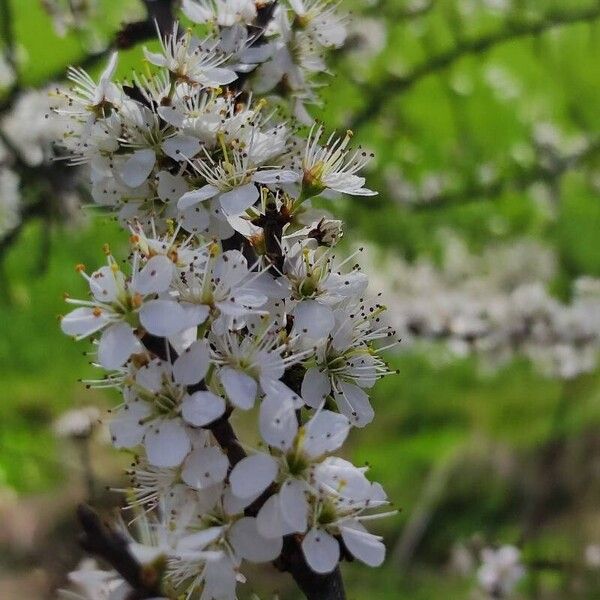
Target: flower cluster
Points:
(233, 299)
(497, 305)
(28, 176)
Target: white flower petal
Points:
(193, 197)
(106, 284)
(313, 319)
(117, 344)
(84, 321)
(278, 423)
(150, 375)
(125, 428)
(239, 199)
(200, 539)
(231, 268)
(315, 387)
(202, 408)
(196, 12)
(239, 387)
(195, 219)
(363, 545)
(170, 187)
(276, 176)
(219, 76)
(294, 506)
(325, 432)
(321, 550)
(354, 403)
(167, 443)
(205, 467)
(192, 365)
(181, 147)
(342, 478)
(163, 317)
(171, 115)
(268, 520)
(250, 545)
(156, 276)
(253, 475)
(137, 167)
(156, 59)
(194, 314)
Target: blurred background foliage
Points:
(454, 97)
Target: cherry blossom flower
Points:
(333, 166)
(191, 60)
(500, 571)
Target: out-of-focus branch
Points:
(518, 180)
(160, 16)
(382, 92)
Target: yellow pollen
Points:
(80, 267)
(137, 300)
(134, 239)
(106, 249)
(97, 312)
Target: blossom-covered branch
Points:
(497, 305)
(233, 299)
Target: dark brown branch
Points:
(159, 16)
(313, 585)
(101, 541)
(381, 93)
(225, 436)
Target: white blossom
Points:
(500, 571)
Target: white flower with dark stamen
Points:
(319, 19)
(348, 363)
(90, 99)
(333, 166)
(298, 449)
(155, 400)
(192, 61)
(345, 498)
(118, 306)
(318, 286)
(234, 180)
(219, 286)
(245, 362)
